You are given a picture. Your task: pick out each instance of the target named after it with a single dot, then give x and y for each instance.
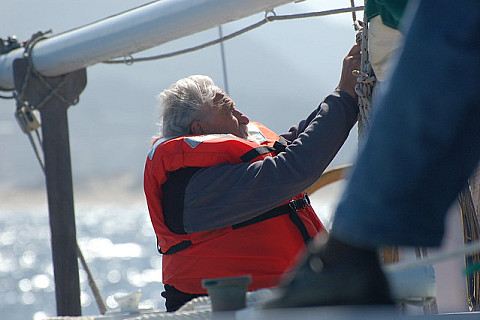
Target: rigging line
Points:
(236, 34)
(12, 96)
(7, 97)
(315, 14)
(106, 18)
(354, 16)
(465, 250)
(224, 63)
(91, 280)
(207, 44)
(37, 153)
(35, 148)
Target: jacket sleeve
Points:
(226, 194)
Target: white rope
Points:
(466, 250)
(366, 81)
(474, 182)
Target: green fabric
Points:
(390, 11)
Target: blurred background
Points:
(277, 74)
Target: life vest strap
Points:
(275, 212)
(278, 146)
(256, 152)
(177, 247)
(300, 225)
(294, 207)
(289, 208)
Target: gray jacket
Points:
(226, 194)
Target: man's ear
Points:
(196, 127)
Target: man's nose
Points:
(243, 119)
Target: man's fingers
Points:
(355, 50)
(352, 62)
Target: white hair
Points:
(181, 103)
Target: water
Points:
(116, 240)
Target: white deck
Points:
(320, 313)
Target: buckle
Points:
(298, 204)
(307, 199)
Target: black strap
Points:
(280, 145)
(291, 208)
(275, 212)
(297, 221)
(258, 151)
(176, 248)
(300, 225)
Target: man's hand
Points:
(350, 63)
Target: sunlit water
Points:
(117, 241)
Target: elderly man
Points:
(226, 196)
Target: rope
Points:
(22, 117)
(31, 70)
(268, 18)
(7, 97)
(224, 62)
(366, 81)
(91, 281)
(19, 95)
(467, 249)
(354, 16)
(27, 54)
(471, 233)
(175, 53)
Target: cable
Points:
(268, 18)
(467, 249)
(224, 63)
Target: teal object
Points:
(391, 11)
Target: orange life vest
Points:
(264, 247)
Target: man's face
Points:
(224, 118)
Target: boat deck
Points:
(317, 313)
